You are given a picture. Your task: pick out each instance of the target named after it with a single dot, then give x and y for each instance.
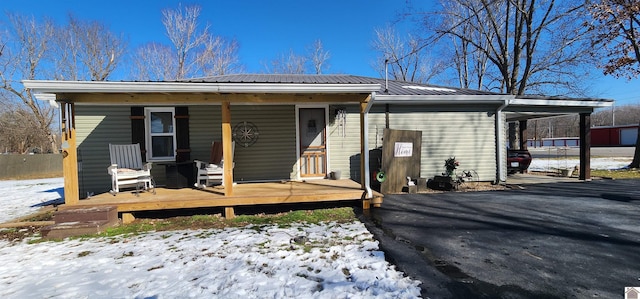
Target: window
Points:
(161, 134)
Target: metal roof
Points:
(390, 87)
(386, 91)
(402, 92)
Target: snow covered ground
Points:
(336, 261)
(21, 198)
(553, 164)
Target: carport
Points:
(523, 108)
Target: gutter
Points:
(566, 102)
(365, 124)
(442, 99)
(52, 86)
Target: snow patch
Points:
(550, 165)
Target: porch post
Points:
(585, 146)
(69, 154)
(362, 145)
(366, 202)
(227, 149)
(367, 195)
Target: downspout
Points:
(499, 144)
(365, 124)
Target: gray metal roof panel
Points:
(394, 87)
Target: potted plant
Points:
(446, 180)
(450, 165)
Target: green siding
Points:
(344, 139)
(96, 127)
(272, 157)
(204, 128)
(467, 135)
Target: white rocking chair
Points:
(212, 172)
(127, 170)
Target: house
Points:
(307, 126)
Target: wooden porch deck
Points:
(244, 194)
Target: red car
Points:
(518, 161)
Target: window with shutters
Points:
(160, 128)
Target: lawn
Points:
(633, 173)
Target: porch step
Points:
(80, 221)
(70, 229)
(103, 213)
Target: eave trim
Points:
(51, 86)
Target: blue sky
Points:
(265, 29)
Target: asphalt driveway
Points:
(558, 240)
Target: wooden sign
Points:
(401, 153)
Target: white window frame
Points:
(149, 135)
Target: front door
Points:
(313, 145)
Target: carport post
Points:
(585, 146)
(522, 134)
(512, 135)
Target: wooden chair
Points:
(127, 169)
(213, 171)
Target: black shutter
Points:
(137, 129)
(183, 149)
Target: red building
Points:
(625, 135)
(614, 135)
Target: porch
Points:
(245, 194)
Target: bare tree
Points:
(318, 56)
(518, 46)
(219, 57)
(290, 63)
(153, 61)
(406, 58)
(24, 59)
(531, 45)
(100, 49)
(17, 134)
(40, 49)
(618, 32)
(617, 116)
(314, 61)
(195, 51)
(67, 59)
(86, 50)
(469, 63)
(567, 126)
(182, 29)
